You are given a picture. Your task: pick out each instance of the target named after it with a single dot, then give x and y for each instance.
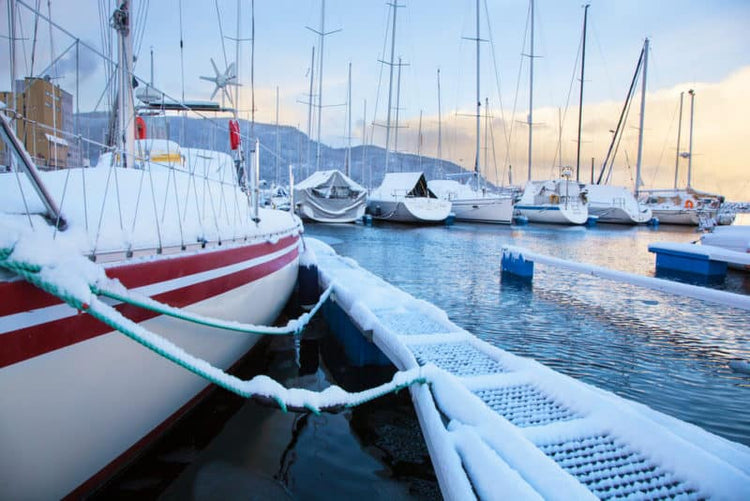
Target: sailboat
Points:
(686, 206)
(558, 201)
(472, 202)
(330, 196)
(79, 400)
(610, 204)
(404, 197)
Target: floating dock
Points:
(499, 426)
(701, 260)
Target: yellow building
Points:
(45, 113)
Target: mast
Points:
(690, 141)
(531, 85)
(640, 126)
(479, 109)
(679, 133)
(398, 104)
(321, 34)
(278, 150)
(348, 161)
(364, 139)
(390, 85)
(125, 112)
(440, 126)
(309, 107)
(252, 71)
(618, 129)
(320, 77)
(12, 47)
(419, 141)
(580, 99)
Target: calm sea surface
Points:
(667, 352)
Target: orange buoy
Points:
(689, 204)
(140, 128)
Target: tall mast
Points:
(125, 112)
(320, 76)
(349, 121)
(278, 146)
(321, 34)
(479, 109)
(364, 139)
(252, 71)
(419, 141)
(580, 99)
(690, 141)
(310, 106)
(12, 47)
(679, 134)
(531, 86)
(398, 105)
(390, 86)
(640, 126)
(440, 125)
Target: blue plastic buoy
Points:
(516, 264)
(450, 219)
(521, 220)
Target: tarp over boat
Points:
(403, 184)
(330, 196)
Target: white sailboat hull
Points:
(618, 215)
(69, 418)
(554, 214)
(497, 210)
(331, 211)
(410, 210)
(687, 217)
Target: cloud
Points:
(719, 139)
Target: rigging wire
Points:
(221, 34)
(567, 105)
(497, 77)
(508, 160)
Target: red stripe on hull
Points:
(22, 344)
(19, 297)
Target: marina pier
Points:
(502, 426)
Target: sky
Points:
(699, 45)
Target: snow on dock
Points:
(502, 426)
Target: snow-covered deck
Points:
(501, 426)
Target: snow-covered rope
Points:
(79, 295)
(116, 291)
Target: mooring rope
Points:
(294, 326)
(83, 297)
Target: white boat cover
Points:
(397, 185)
(330, 196)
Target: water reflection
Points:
(669, 353)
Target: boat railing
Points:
(19, 160)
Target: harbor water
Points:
(666, 352)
